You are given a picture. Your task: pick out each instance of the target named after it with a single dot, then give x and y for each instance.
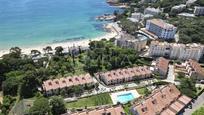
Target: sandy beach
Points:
(83, 43)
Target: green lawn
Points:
(142, 91)
(101, 99)
(200, 111)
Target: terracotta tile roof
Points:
(66, 82)
(162, 64)
(196, 67)
(162, 24)
(165, 101)
(126, 73)
(118, 110)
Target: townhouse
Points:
(125, 75)
(162, 66)
(129, 41)
(167, 100)
(194, 70)
(176, 51)
(161, 29)
(54, 86)
(114, 110)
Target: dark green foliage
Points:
(200, 2)
(40, 107)
(128, 26)
(10, 86)
(7, 104)
(104, 55)
(190, 30)
(168, 4)
(187, 87)
(57, 105)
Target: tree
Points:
(57, 105)
(8, 102)
(10, 86)
(40, 107)
(187, 87)
(128, 26)
(58, 50)
(28, 85)
(35, 52)
(47, 49)
(15, 52)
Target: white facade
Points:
(178, 8)
(176, 51)
(199, 11)
(129, 41)
(161, 29)
(152, 11)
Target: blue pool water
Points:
(124, 98)
(37, 22)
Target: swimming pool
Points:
(124, 98)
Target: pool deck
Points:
(114, 95)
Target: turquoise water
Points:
(124, 98)
(33, 22)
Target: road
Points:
(199, 102)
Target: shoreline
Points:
(112, 32)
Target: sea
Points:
(26, 23)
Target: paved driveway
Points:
(199, 102)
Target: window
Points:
(144, 109)
(154, 101)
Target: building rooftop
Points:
(125, 73)
(166, 100)
(162, 24)
(162, 64)
(196, 66)
(117, 110)
(67, 82)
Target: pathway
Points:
(199, 102)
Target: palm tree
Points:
(58, 50)
(35, 52)
(47, 49)
(15, 51)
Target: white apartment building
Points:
(199, 11)
(152, 11)
(129, 41)
(178, 8)
(176, 51)
(136, 17)
(161, 29)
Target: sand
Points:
(83, 43)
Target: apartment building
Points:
(167, 100)
(161, 29)
(199, 11)
(129, 41)
(162, 66)
(125, 75)
(152, 11)
(178, 8)
(54, 86)
(176, 51)
(114, 110)
(194, 70)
